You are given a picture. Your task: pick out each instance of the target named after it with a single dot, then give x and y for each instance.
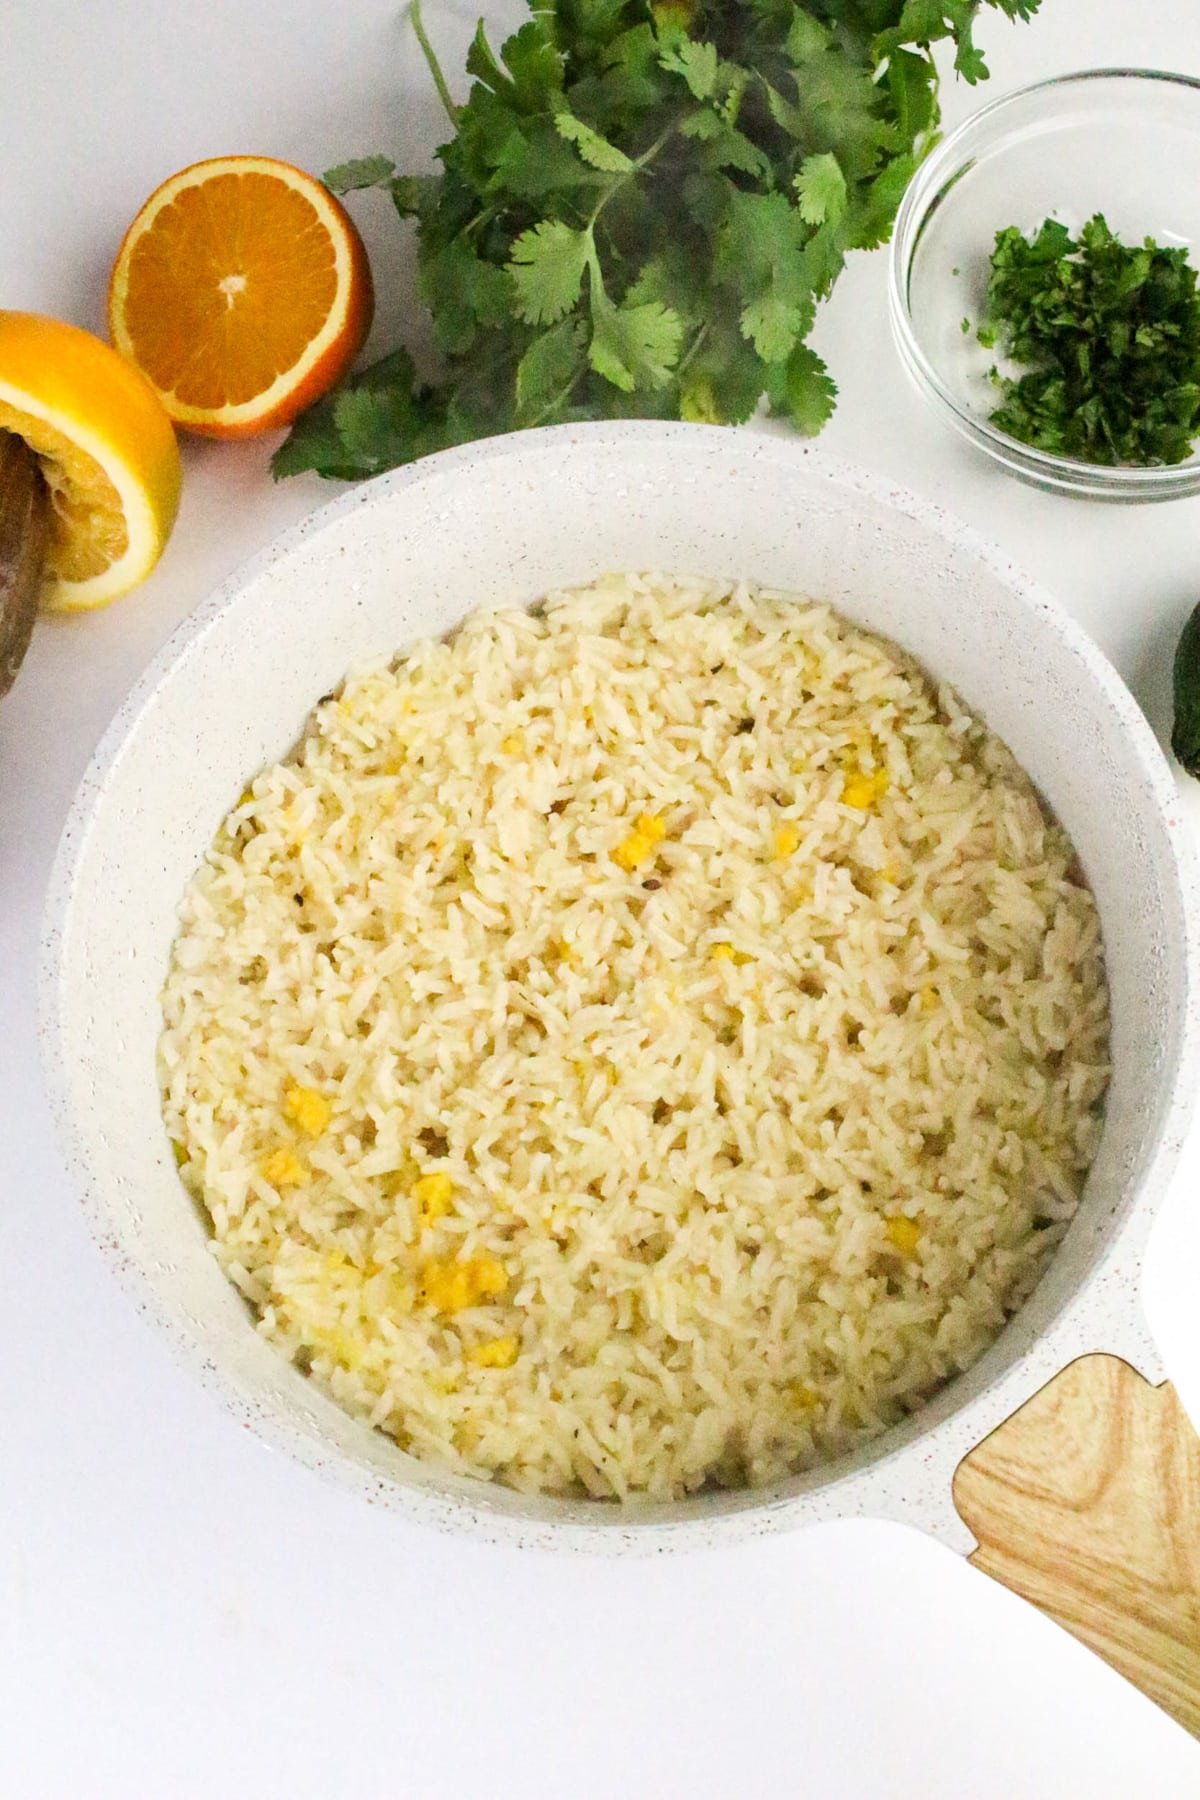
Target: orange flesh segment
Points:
(228, 288)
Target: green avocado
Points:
(1185, 738)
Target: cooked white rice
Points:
(745, 1148)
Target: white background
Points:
(184, 1614)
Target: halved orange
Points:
(242, 291)
(106, 450)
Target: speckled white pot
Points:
(408, 555)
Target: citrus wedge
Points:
(242, 290)
(107, 452)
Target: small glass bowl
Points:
(1123, 142)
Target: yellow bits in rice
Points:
(496, 1056)
(309, 1109)
(864, 791)
(449, 1287)
(433, 1194)
(283, 1168)
(904, 1234)
(641, 843)
(497, 1353)
(726, 953)
(342, 1346)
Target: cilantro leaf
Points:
(546, 372)
(761, 254)
(372, 423)
(822, 259)
(705, 123)
(536, 160)
(773, 324)
(591, 146)
(807, 38)
(669, 279)
(482, 64)
(547, 267)
(415, 195)
(532, 58)
(379, 419)
(529, 64)
(698, 402)
(697, 63)
(363, 172)
(629, 82)
(871, 220)
(595, 22)
(804, 391)
(724, 146)
(925, 22)
(463, 293)
(761, 241)
(634, 346)
(912, 88)
(726, 377)
(821, 189)
(314, 443)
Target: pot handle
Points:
(1087, 1502)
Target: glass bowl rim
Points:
(941, 169)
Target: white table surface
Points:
(182, 1612)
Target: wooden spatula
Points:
(24, 530)
(1087, 1502)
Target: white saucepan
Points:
(406, 556)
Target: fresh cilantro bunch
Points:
(1108, 335)
(639, 211)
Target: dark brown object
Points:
(24, 529)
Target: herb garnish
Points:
(1109, 338)
(639, 211)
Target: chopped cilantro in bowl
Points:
(1107, 338)
(1088, 324)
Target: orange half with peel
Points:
(107, 452)
(242, 291)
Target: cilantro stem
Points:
(597, 293)
(564, 393)
(649, 155)
(693, 349)
(434, 66)
(620, 181)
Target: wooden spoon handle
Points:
(24, 530)
(1087, 1502)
